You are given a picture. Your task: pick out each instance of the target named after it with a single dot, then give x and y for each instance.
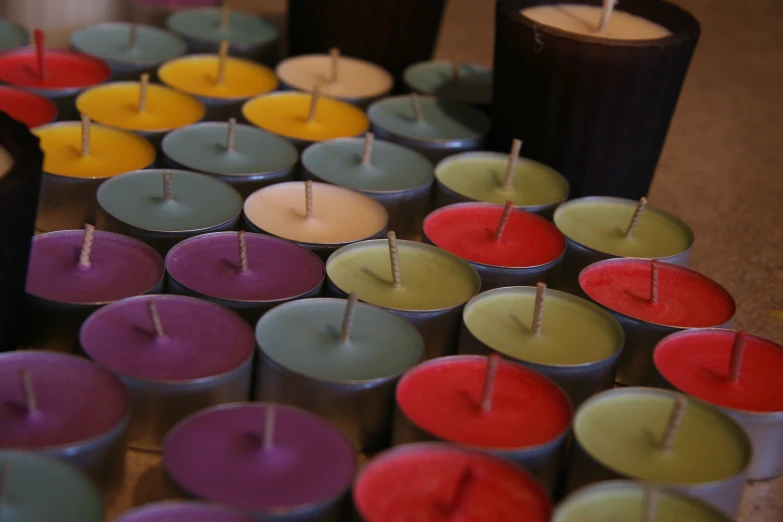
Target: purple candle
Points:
(183, 511)
(66, 407)
(263, 458)
(176, 355)
(248, 273)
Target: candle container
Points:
(623, 286)
(180, 357)
(715, 471)
(12, 36)
(472, 84)
(135, 204)
(156, 12)
(444, 129)
(255, 159)
(27, 107)
(183, 511)
(699, 363)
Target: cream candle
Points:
(587, 20)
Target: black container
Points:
(596, 110)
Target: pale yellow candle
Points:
(6, 162)
(586, 20)
(356, 79)
(198, 75)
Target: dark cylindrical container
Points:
(596, 110)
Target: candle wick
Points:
(503, 221)
(86, 124)
(5, 482)
(152, 308)
(225, 14)
(232, 127)
(350, 312)
(466, 482)
(143, 85)
(538, 309)
(490, 375)
(269, 428)
(133, 35)
(87, 240)
(737, 354)
(673, 424)
(308, 199)
(40, 53)
(650, 504)
(394, 256)
(416, 104)
(455, 72)
(654, 281)
(30, 401)
(222, 59)
(637, 215)
(367, 150)
(606, 14)
(334, 55)
(511, 166)
(243, 264)
(316, 95)
(168, 187)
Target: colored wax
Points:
(64, 69)
(111, 41)
(205, 24)
(442, 120)
(356, 79)
(29, 108)
(436, 78)
(12, 35)
(183, 511)
(197, 74)
(586, 19)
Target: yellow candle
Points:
(198, 75)
(111, 152)
(117, 105)
(286, 114)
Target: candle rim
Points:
(152, 507)
(30, 50)
(85, 33)
(32, 95)
(424, 65)
(215, 12)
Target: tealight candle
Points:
(184, 511)
(12, 35)
(245, 157)
(433, 127)
(38, 488)
(31, 109)
(485, 403)
(652, 300)
(349, 79)
(507, 247)
(423, 284)
(660, 437)
(163, 207)
(175, 355)
(305, 118)
(248, 273)
(78, 158)
(740, 374)
(130, 49)
(156, 12)
(438, 483)
(570, 340)
(66, 407)
(73, 273)
(456, 82)
(398, 178)
(267, 460)
(318, 216)
(339, 359)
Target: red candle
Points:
(63, 69)
(29, 108)
(441, 483)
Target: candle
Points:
(72, 273)
(66, 407)
(130, 49)
(12, 35)
(78, 158)
(570, 340)
(27, 107)
(652, 300)
(243, 156)
(740, 374)
(184, 511)
(500, 407)
(264, 459)
(433, 127)
(586, 20)
(659, 436)
(452, 81)
(438, 482)
(41, 488)
(329, 218)
(339, 359)
(398, 178)
(507, 248)
(627, 500)
(248, 273)
(175, 355)
(305, 118)
(342, 77)
(156, 12)
(163, 207)
(423, 284)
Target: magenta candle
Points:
(66, 407)
(25, 106)
(285, 462)
(183, 511)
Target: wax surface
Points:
(468, 231)
(686, 299)
(443, 397)
(413, 485)
(432, 279)
(202, 339)
(600, 224)
(698, 364)
(117, 105)
(183, 511)
(436, 78)
(209, 264)
(64, 69)
(197, 74)
(304, 336)
(121, 267)
(339, 215)
(41, 488)
(29, 108)
(202, 147)
(442, 120)
(622, 429)
(586, 19)
(392, 167)
(6, 162)
(355, 78)
(200, 202)
(204, 24)
(112, 151)
(76, 399)
(11, 35)
(309, 462)
(573, 330)
(111, 41)
(479, 176)
(285, 114)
